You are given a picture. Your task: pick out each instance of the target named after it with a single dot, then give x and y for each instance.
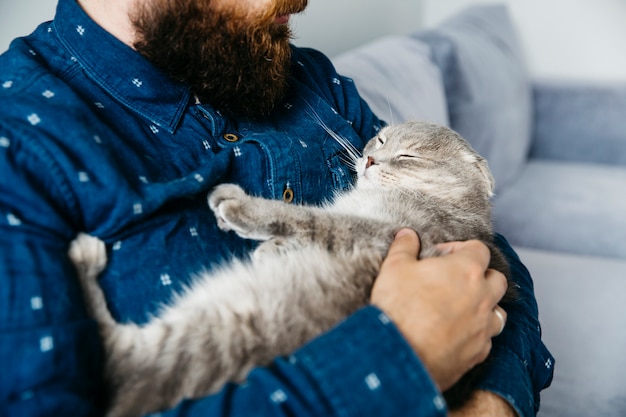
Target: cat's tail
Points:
(89, 256)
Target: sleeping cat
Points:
(316, 266)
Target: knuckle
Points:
(479, 246)
(475, 271)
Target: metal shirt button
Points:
(288, 195)
(231, 137)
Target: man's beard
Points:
(236, 63)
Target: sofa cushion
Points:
(580, 121)
(487, 86)
(568, 207)
(397, 78)
(582, 310)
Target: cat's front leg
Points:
(88, 253)
(276, 246)
(249, 217)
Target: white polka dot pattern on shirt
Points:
(166, 280)
(46, 344)
(36, 303)
(384, 319)
(83, 176)
(372, 381)
(278, 397)
(439, 402)
(34, 119)
(13, 220)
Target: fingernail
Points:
(403, 232)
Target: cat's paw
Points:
(226, 201)
(224, 192)
(89, 256)
(237, 211)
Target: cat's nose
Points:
(370, 162)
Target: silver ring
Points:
(502, 320)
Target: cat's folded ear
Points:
(483, 168)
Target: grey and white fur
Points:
(316, 266)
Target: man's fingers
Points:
(497, 284)
(406, 244)
(473, 249)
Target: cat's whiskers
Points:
(354, 154)
(350, 162)
(393, 122)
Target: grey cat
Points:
(316, 266)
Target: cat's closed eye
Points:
(413, 156)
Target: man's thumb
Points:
(405, 244)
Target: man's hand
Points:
(443, 306)
(484, 404)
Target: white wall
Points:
(575, 39)
(336, 25)
(21, 17)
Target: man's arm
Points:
(50, 350)
(520, 364)
(363, 367)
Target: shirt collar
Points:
(124, 73)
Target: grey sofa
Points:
(558, 153)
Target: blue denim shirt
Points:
(94, 139)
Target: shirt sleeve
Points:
(50, 350)
(361, 368)
(520, 365)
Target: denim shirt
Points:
(95, 139)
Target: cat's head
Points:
(425, 158)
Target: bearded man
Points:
(117, 118)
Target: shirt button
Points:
(231, 137)
(288, 195)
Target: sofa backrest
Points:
(398, 79)
(480, 70)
